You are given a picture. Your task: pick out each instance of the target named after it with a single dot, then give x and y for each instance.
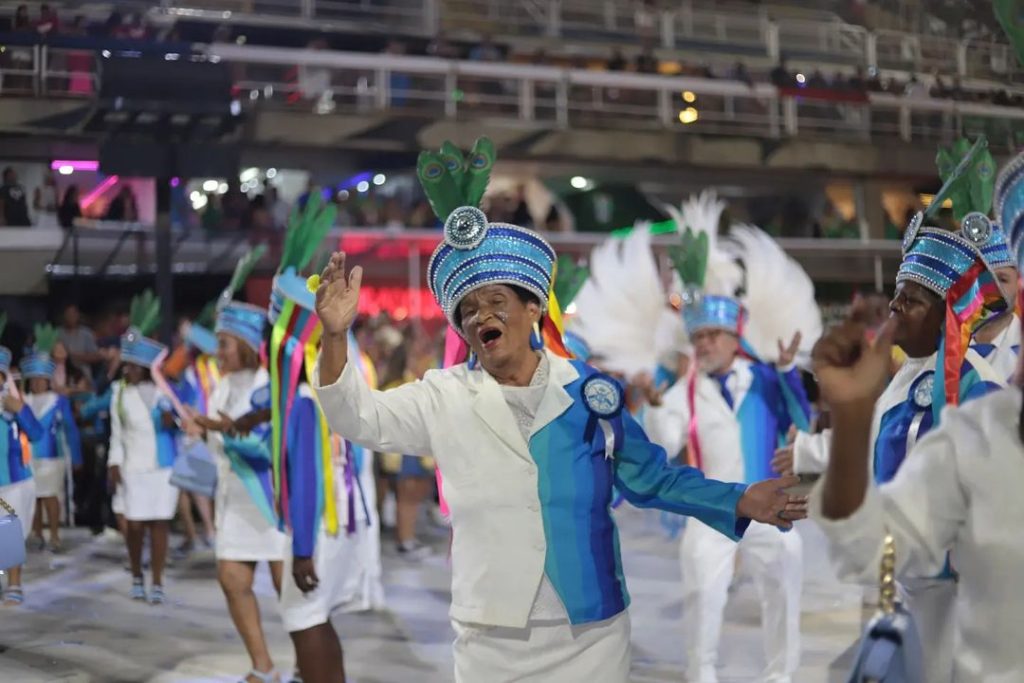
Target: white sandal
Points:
(271, 676)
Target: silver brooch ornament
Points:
(465, 228)
(977, 228)
(913, 227)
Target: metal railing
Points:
(689, 24)
(329, 82)
(326, 82)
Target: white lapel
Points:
(41, 404)
(743, 377)
(490, 406)
(556, 399)
(710, 399)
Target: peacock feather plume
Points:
(144, 313)
(569, 279)
(45, 336)
(451, 179)
(307, 229)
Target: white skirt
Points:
(22, 497)
(543, 652)
(49, 474)
(148, 496)
(243, 533)
(334, 558)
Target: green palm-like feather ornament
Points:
(45, 336)
(569, 279)
(1010, 14)
(208, 316)
(243, 269)
(144, 313)
(478, 171)
(307, 229)
(690, 258)
(968, 174)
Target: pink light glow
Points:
(98, 191)
(76, 164)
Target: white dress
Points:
(244, 534)
(146, 493)
(49, 473)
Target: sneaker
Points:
(156, 595)
(414, 550)
(138, 589)
(183, 550)
(55, 547)
(35, 543)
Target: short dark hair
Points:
(524, 295)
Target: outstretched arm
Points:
(646, 479)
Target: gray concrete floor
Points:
(78, 625)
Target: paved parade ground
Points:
(78, 624)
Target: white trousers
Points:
(775, 560)
(932, 603)
(543, 652)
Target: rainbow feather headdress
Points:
(293, 345)
(40, 362)
(952, 264)
(475, 252)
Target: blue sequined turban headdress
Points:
(139, 349)
(1009, 203)
(38, 365)
(714, 312)
(476, 253)
(244, 321)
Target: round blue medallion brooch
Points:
(977, 228)
(603, 396)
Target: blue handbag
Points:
(12, 538)
(890, 650)
(195, 471)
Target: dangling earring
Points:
(536, 340)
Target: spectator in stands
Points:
(48, 23)
(278, 208)
(646, 62)
(70, 208)
(21, 21)
(113, 24)
(78, 339)
(486, 51)
(123, 207)
(132, 28)
(441, 47)
(781, 76)
(617, 61)
(80, 63)
(521, 215)
(740, 73)
(314, 81)
(46, 200)
(13, 202)
(817, 80)
(645, 20)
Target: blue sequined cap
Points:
(1009, 203)
(476, 253)
(997, 251)
(201, 338)
(244, 321)
(713, 312)
(289, 286)
(138, 349)
(38, 365)
(5, 360)
(936, 258)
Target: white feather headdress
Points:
(621, 308)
